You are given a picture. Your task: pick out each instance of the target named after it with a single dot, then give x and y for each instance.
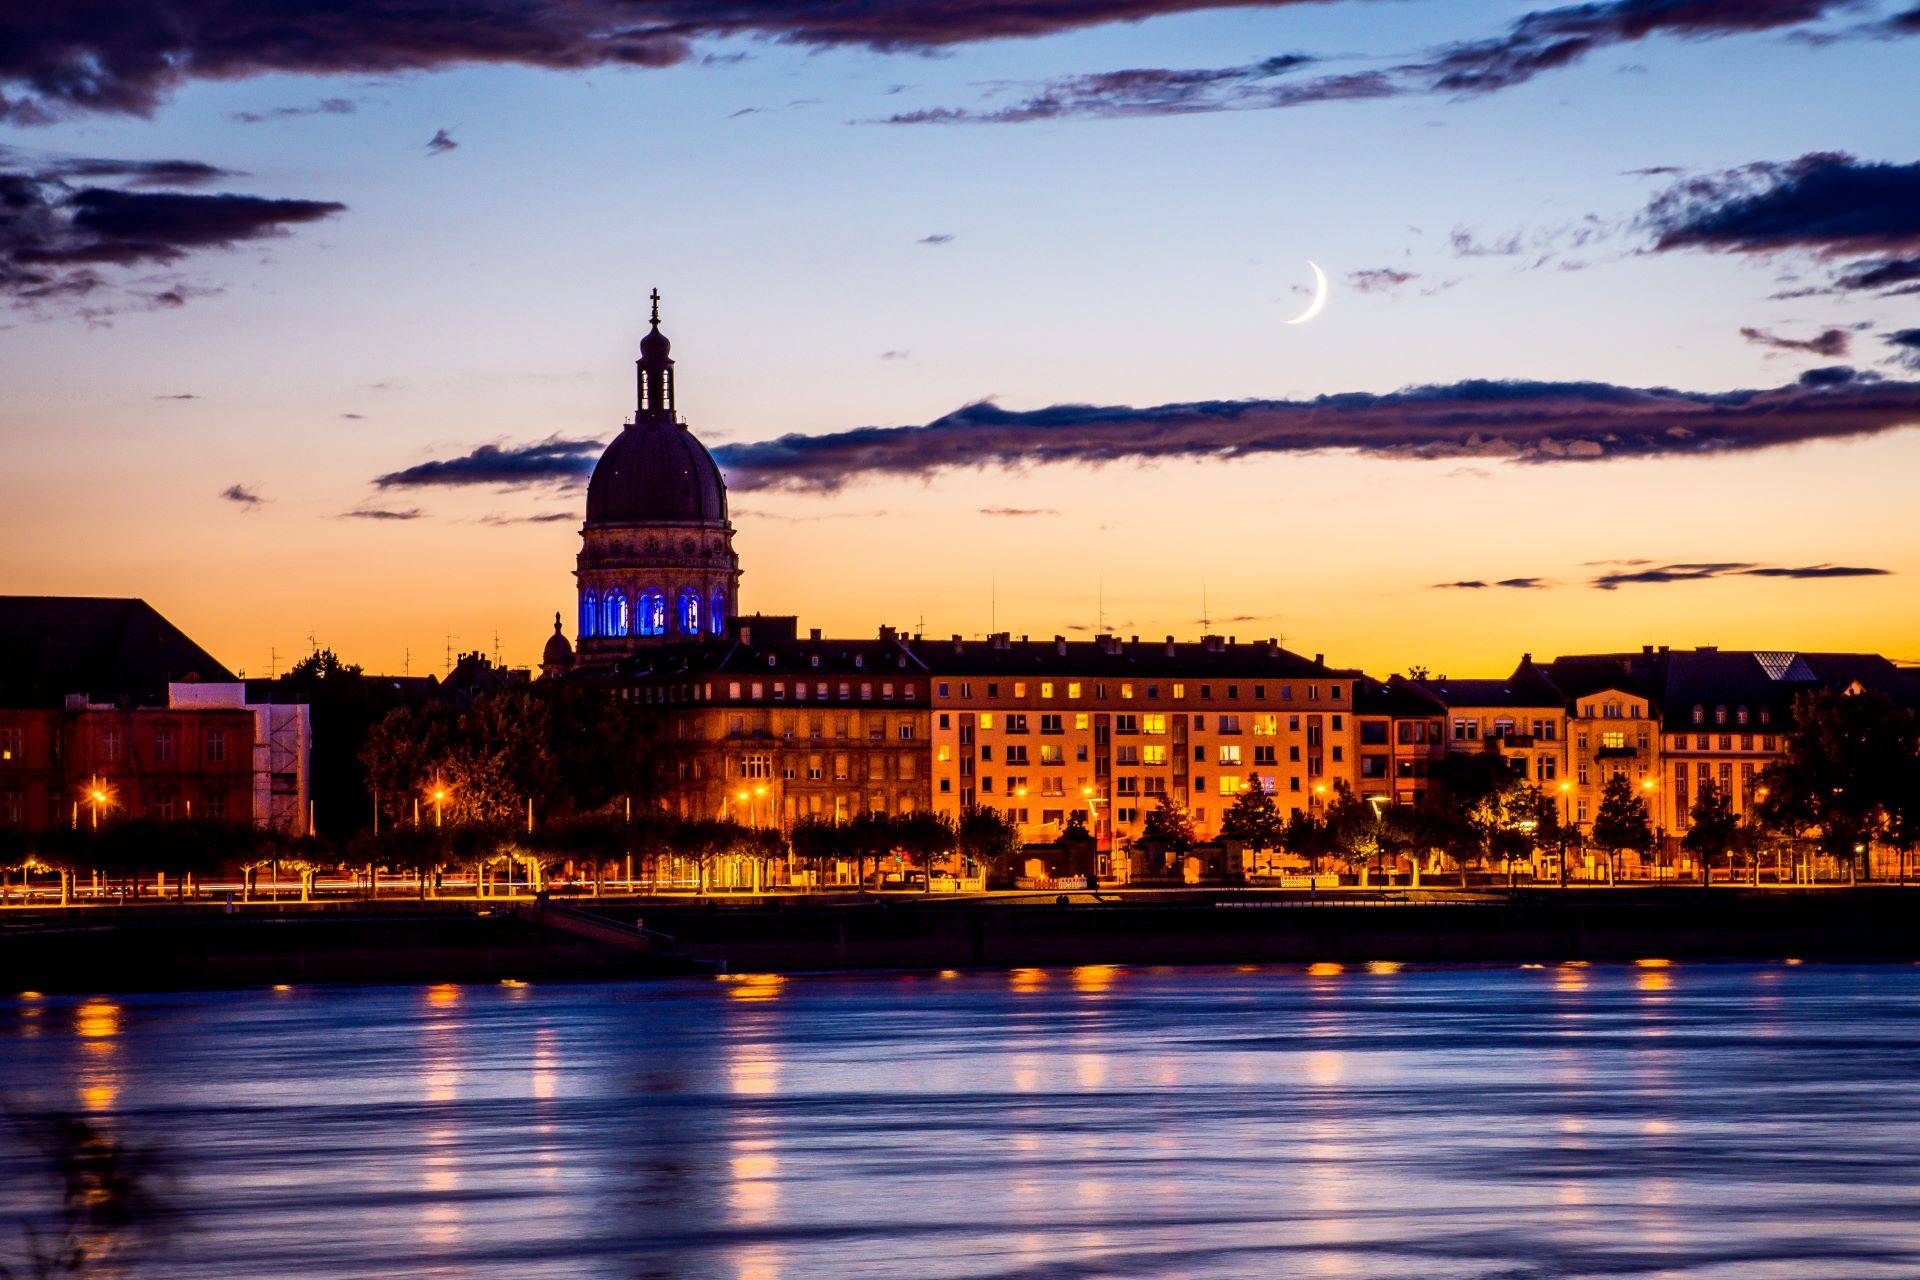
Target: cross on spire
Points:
(656, 306)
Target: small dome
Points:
(558, 652)
(656, 472)
(654, 346)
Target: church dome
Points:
(558, 652)
(656, 472)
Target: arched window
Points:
(653, 613)
(617, 617)
(1719, 715)
(1699, 714)
(589, 614)
(717, 615)
(689, 611)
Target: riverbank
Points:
(173, 947)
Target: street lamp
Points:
(99, 795)
(439, 804)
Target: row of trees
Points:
(565, 749)
(662, 847)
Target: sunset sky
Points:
(253, 263)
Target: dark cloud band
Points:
(1702, 572)
(1526, 422)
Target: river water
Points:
(1608, 1121)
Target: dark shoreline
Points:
(159, 948)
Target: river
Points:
(1697, 1120)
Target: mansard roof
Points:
(111, 649)
(1212, 657)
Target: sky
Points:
(1621, 343)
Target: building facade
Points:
(107, 711)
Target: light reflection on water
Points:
(1702, 1121)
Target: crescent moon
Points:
(1319, 302)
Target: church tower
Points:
(656, 559)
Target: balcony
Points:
(1616, 753)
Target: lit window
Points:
(589, 614)
(1126, 691)
(1179, 690)
(689, 611)
(986, 719)
(1046, 688)
(717, 614)
(1073, 688)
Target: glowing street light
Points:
(439, 804)
(99, 797)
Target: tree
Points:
(1849, 774)
(1353, 826)
(870, 837)
(345, 705)
(1252, 818)
(1076, 826)
(1305, 836)
(1621, 823)
(1712, 830)
(1168, 830)
(987, 838)
(1467, 810)
(924, 836)
(816, 840)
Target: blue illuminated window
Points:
(717, 615)
(689, 611)
(616, 611)
(653, 613)
(589, 614)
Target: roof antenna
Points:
(1100, 608)
(1206, 621)
(993, 606)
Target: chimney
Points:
(1526, 659)
(1319, 659)
(813, 633)
(1060, 645)
(887, 633)
(1646, 651)
(1000, 640)
(1213, 644)
(1233, 640)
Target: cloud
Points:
(1019, 512)
(383, 513)
(1828, 342)
(127, 56)
(55, 238)
(553, 460)
(897, 353)
(178, 395)
(241, 495)
(1515, 421)
(1883, 274)
(134, 173)
(1379, 279)
(1825, 203)
(938, 237)
(1701, 572)
(1539, 42)
(324, 107)
(538, 517)
(1906, 347)
(1479, 584)
(441, 142)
